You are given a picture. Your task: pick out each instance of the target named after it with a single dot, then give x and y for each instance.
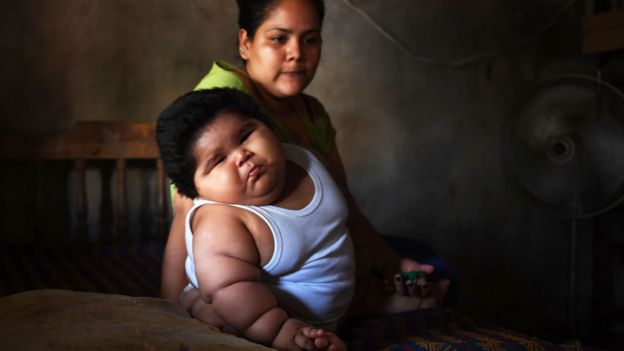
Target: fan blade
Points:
(564, 141)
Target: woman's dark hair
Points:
(252, 13)
(180, 125)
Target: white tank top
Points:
(312, 270)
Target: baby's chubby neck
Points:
(298, 189)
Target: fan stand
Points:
(560, 150)
(575, 209)
(568, 154)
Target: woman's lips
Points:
(293, 73)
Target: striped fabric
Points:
(125, 270)
(439, 330)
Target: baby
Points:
(268, 247)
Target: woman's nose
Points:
(294, 50)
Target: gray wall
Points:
(418, 119)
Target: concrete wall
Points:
(419, 117)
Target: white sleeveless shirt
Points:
(312, 269)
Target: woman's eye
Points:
(312, 40)
(279, 40)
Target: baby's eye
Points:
(245, 136)
(219, 160)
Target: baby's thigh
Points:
(206, 313)
(201, 310)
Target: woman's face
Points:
(285, 51)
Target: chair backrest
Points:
(93, 140)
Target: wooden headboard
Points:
(102, 141)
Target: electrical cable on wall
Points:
(465, 60)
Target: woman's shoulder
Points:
(316, 109)
(224, 75)
(319, 126)
(312, 101)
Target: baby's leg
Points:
(203, 311)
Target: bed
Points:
(72, 280)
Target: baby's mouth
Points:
(255, 172)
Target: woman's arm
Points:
(365, 237)
(173, 271)
(373, 254)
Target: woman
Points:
(280, 44)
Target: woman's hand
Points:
(409, 265)
(391, 269)
(411, 280)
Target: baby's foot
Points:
(309, 338)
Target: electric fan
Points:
(564, 143)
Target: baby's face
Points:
(239, 161)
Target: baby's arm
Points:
(226, 265)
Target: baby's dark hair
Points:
(252, 13)
(180, 125)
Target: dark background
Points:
(417, 90)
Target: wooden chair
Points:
(115, 141)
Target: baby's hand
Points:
(312, 339)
